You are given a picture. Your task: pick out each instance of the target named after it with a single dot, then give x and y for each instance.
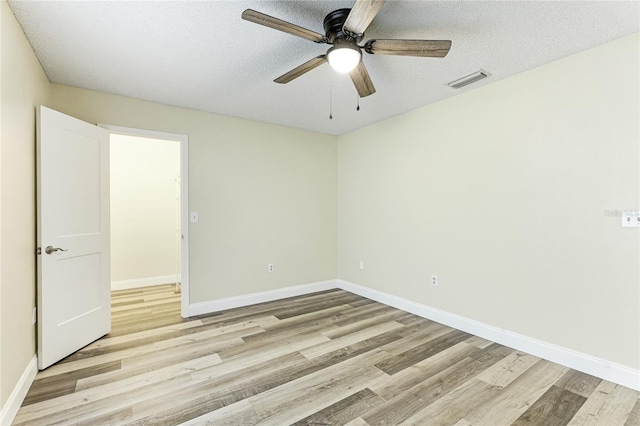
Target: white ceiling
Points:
(202, 55)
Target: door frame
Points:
(184, 199)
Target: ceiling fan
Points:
(344, 29)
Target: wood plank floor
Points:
(328, 358)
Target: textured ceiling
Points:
(201, 54)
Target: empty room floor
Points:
(328, 358)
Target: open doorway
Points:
(149, 227)
(145, 212)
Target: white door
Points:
(74, 301)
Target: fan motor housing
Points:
(333, 24)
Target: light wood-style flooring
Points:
(328, 358)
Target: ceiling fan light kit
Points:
(344, 29)
(344, 56)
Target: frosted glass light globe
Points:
(343, 59)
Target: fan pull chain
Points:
(358, 107)
(330, 104)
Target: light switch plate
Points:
(194, 217)
(630, 219)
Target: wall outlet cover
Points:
(630, 219)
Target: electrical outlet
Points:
(270, 267)
(434, 280)
(362, 264)
(631, 219)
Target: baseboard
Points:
(202, 308)
(143, 282)
(11, 407)
(598, 367)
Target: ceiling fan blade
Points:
(424, 48)
(304, 68)
(280, 25)
(361, 15)
(362, 81)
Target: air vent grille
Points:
(468, 79)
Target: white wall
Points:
(23, 86)
(144, 210)
(504, 193)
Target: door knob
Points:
(50, 249)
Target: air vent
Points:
(468, 79)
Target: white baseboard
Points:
(143, 282)
(11, 407)
(598, 367)
(202, 308)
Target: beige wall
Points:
(503, 193)
(264, 193)
(23, 86)
(144, 208)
